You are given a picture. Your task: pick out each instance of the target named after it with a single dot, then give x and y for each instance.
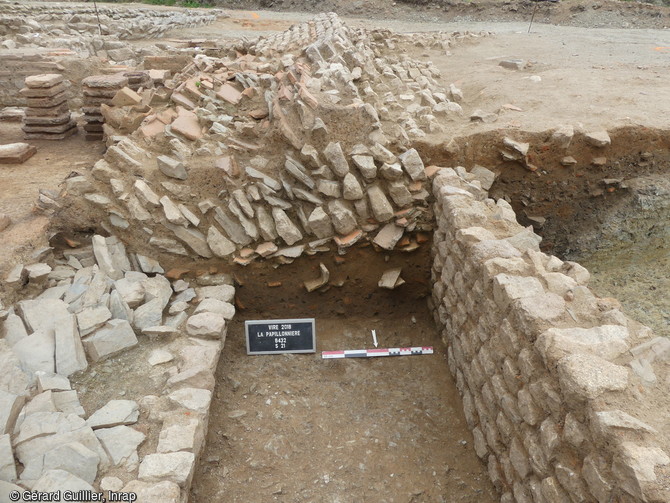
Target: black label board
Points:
(266, 337)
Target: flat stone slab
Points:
(114, 413)
(44, 92)
(51, 136)
(56, 120)
(48, 111)
(16, 153)
(44, 80)
(105, 81)
(49, 128)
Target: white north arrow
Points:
(374, 338)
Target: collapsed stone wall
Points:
(564, 394)
(237, 157)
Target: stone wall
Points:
(564, 394)
(107, 327)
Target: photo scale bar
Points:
(371, 353)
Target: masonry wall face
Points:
(566, 397)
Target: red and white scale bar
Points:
(369, 353)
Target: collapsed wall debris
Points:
(266, 143)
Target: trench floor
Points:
(297, 428)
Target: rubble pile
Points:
(98, 90)
(264, 156)
(94, 303)
(47, 116)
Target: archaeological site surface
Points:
(470, 200)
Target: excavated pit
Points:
(299, 428)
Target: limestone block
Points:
(572, 482)
(194, 399)
(413, 164)
(400, 194)
(335, 156)
(366, 165)
(224, 293)
(195, 239)
(176, 467)
(330, 188)
(115, 336)
(181, 433)
(131, 291)
(73, 458)
(598, 139)
(171, 167)
(508, 288)
(519, 458)
(165, 492)
(13, 329)
(37, 352)
(226, 309)
(114, 413)
(388, 236)
(351, 188)
(606, 341)
(587, 376)
(145, 194)
(594, 469)
(206, 324)
(60, 480)
(40, 314)
(7, 464)
(220, 245)
(286, 229)
(121, 442)
(92, 318)
(381, 208)
(342, 217)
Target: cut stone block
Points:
(16, 153)
(45, 80)
(113, 338)
(121, 442)
(114, 413)
(176, 467)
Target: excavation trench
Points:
(299, 428)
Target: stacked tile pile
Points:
(138, 79)
(48, 114)
(99, 89)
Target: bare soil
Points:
(298, 428)
(20, 184)
(589, 13)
